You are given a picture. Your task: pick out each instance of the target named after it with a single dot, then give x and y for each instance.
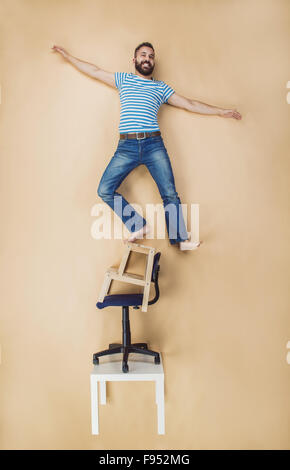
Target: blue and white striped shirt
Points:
(140, 100)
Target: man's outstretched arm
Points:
(89, 69)
(201, 108)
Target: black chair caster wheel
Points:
(96, 361)
(125, 367)
(157, 360)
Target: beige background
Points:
(222, 321)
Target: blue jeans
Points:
(152, 153)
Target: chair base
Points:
(126, 347)
(117, 348)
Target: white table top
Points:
(141, 367)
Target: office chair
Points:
(125, 301)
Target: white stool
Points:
(140, 369)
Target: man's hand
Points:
(230, 113)
(61, 50)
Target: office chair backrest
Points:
(155, 267)
(154, 277)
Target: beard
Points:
(144, 70)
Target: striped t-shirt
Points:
(140, 99)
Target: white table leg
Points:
(103, 398)
(94, 405)
(160, 405)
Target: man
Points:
(141, 141)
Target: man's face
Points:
(144, 61)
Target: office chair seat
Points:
(120, 300)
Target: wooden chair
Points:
(119, 274)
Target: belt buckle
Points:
(140, 138)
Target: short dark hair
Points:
(148, 44)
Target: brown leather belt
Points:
(139, 135)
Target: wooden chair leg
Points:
(105, 287)
(124, 261)
(148, 274)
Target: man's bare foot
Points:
(137, 235)
(188, 245)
